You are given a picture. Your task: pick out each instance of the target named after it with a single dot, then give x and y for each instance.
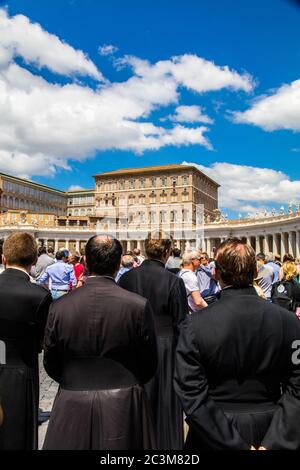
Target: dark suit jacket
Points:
(165, 291)
(100, 345)
(233, 361)
(167, 295)
(23, 313)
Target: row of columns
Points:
(276, 243)
(58, 243)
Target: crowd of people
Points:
(138, 344)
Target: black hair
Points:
(60, 254)
(176, 252)
(103, 255)
(42, 250)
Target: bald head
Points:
(103, 255)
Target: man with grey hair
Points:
(127, 263)
(190, 264)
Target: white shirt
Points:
(191, 285)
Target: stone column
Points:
(282, 245)
(265, 244)
(67, 243)
(274, 243)
(208, 245)
(248, 240)
(290, 243)
(139, 244)
(257, 244)
(77, 247)
(46, 242)
(298, 244)
(127, 245)
(56, 245)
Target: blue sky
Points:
(213, 83)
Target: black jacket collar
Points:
(232, 291)
(99, 279)
(153, 262)
(17, 273)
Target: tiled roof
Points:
(152, 169)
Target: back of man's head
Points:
(50, 250)
(235, 263)
(158, 245)
(261, 257)
(61, 255)
(136, 251)
(20, 249)
(42, 250)
(176, 253)
(127, 261)
(103, 255)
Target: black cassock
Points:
(23, 313)
(238, 374)
(100, 346)
(167, 295)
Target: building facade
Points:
(20, 194)
(126, 203)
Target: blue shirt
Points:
(276, 270)
(207, 284)
(121, 271)
(61, 276)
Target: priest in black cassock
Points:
(100, 346)
(167, 295)
(23, 314)
(237, 365)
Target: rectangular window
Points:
(163, 181)
(185, 180)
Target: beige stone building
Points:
(167, 184)
(125, 202)
(21, 194)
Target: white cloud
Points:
(194, 73)
(281, 110)
(75, 187)
(190, 114)
(248, 189)
(45, 126)
(295, 149)
(107, 49)
(20, 37)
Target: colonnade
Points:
(274, 242)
